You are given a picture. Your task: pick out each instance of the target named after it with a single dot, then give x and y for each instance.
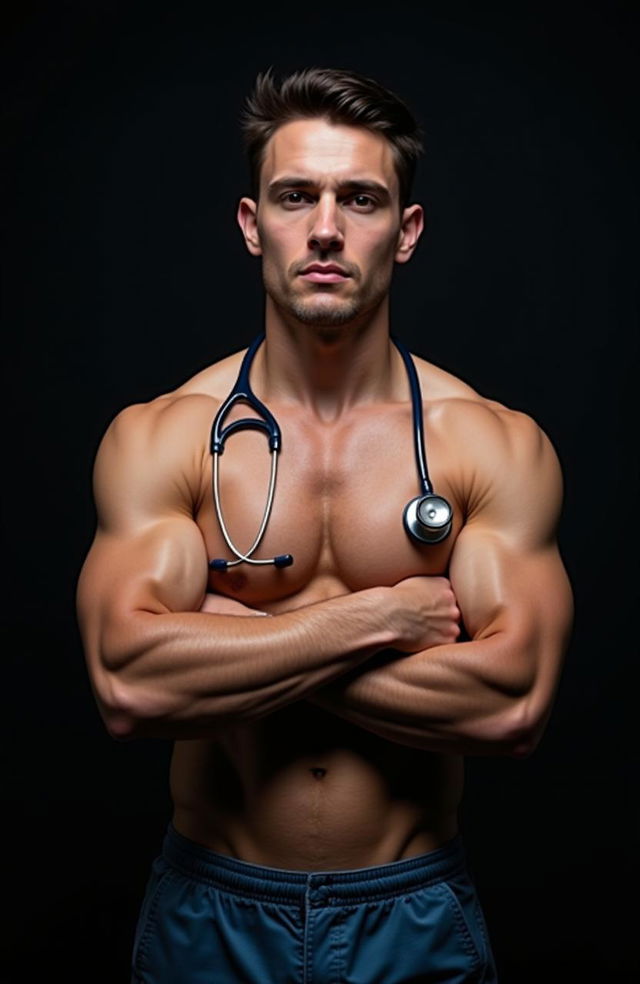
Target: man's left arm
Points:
(492, 694)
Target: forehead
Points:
(329, 153)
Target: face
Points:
(328, 197)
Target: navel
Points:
(318, 773)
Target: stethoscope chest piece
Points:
(428, 518)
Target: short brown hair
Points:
(341, 97)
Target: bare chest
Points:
(337, 508)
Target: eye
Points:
(288, 200)
(363, 201)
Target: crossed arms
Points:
(491, 694)
(161, 667)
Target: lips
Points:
(325, 268)
(324, 273)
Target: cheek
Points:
(381, 262)
(378, 247)
(278, 247)
(276, 269)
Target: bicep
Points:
(161, 568)
(506, 570)
(148, 553)
(522, 595)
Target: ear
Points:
(247, 220)
(410, 232)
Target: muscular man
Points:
(318, 760)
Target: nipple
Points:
(237, 581)
(318, 773)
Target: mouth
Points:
(324, 278)
(324, 274)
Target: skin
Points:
(366, 767)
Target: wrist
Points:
(383, 605)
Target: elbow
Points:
(145, 713)
(120, 727)
(118, 696)
(522, 748)
(135, 716)
(116, 708)
(123, 702)
(506, 733)
(529, 716)
(522, 734)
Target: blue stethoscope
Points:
(427, 518)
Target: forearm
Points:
(442, 699)
(189, 674)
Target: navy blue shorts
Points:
(207, 918)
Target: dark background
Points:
(125, 273)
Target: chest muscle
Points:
(339, 498)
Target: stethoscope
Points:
(427, 518)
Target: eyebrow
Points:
(352, 185)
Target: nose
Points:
(326, 227)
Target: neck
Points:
(329, 370)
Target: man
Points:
(318, 759)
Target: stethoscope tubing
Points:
(242, 392)
(416, 407)
(265, 517)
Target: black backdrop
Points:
(125, 273)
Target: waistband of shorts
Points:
(283, 885)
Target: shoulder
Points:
(491, 426)
(493, 445)
(437, 383)
(196, 397)
(474, 417)
(513, 473)
(159, 444)
(455, 404)
(165, 417)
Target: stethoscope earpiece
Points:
(218, 564)
(428, 518)
(282, 560)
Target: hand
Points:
(217, 604)
(425, 611)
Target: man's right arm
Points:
(158, 666)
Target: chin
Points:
(321, 316)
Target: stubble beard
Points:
(322, 316)
(314, 311)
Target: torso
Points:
(302, 788)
